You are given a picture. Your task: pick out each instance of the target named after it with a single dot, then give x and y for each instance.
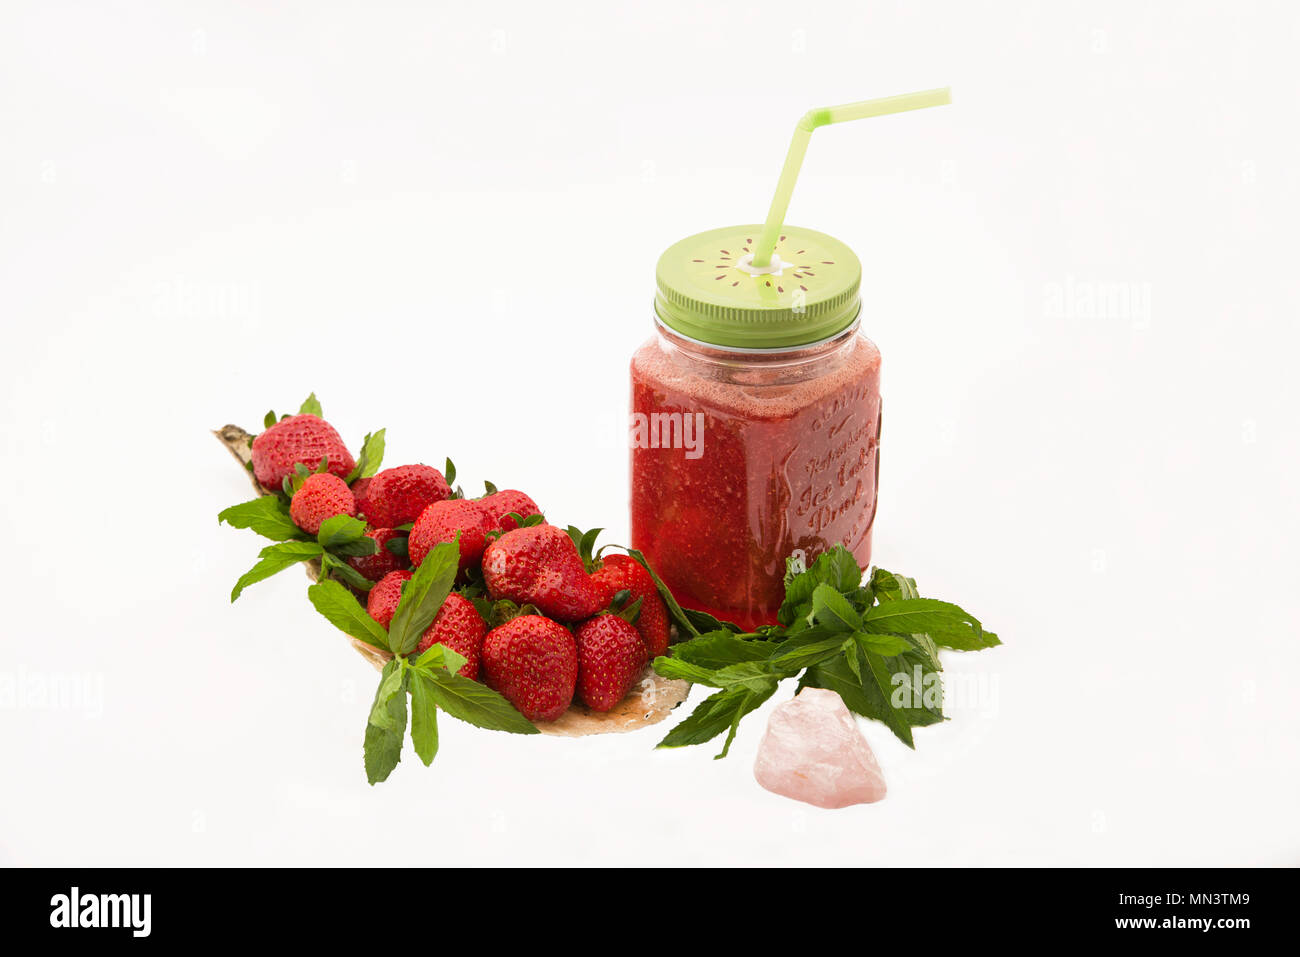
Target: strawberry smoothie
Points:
(787, 460)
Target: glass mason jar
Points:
(755, 421)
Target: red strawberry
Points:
(460, 628)
(540, 565)
(500, 504)
(360, 491)
(398, 495)
(376, 566)
(533, 662)
(382, 601)
(298, 440)
(320, 497)
(610, 657)
(442, 520)
(619, 572)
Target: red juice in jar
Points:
(755, 421)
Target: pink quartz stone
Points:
(813, 752)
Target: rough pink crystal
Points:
(813, 752)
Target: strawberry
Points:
(441, 521)
(459, 627)
(382, 601)
(623, 572)
(540, 565)
(360, 491)
(376, 566)
(321, 496)
(500, 504)
(611, 655)
(298, 440)
(398, 495)
(533, 662)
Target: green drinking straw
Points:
(799, 145)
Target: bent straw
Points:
(824, 116)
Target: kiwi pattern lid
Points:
(709, 291)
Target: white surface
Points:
(445, 222)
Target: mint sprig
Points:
(267, 515)
(874, 643)
(431, 679)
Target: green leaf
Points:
(836, 568)
(424, 718)
(717, 713)
(690, 623)
(310, 406)
(833, 611)
(422, 596)
(686, 671)
(864, 696)
(341, 608)
(807, 648)
(477, 704)
(383, 742)
(338, 568)
(890, 587)
(340, 530)
(370, 458)
(275, 558)
(269, 419)
(440, 656)
(886, 646)
(720, 648)
(703, 622)
(754, 675)
(266, 515)
(391, 683)
(399, 545)
(449, 473)
(948, 624)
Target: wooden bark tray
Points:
(651, 699)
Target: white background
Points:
(444, 219)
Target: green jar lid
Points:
(708, 291)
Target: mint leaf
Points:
(440, 656)
(808, 648)
(422, 596)
(948, 624)
(717, 713)
(691, 623)
(477, 704)
(864, 697)
(383, 742)
(886, 646)
(341, 608)
(391, 682)
(890, 587)
(717, 649)
(686, 671)
(370, 458)
(338, 531)
(266, 515)
(836, 568)
(754, 675)
(310, 406)
(703, 622)
(833, 611)
(334, 566)
(275, 558)
(424, 718)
